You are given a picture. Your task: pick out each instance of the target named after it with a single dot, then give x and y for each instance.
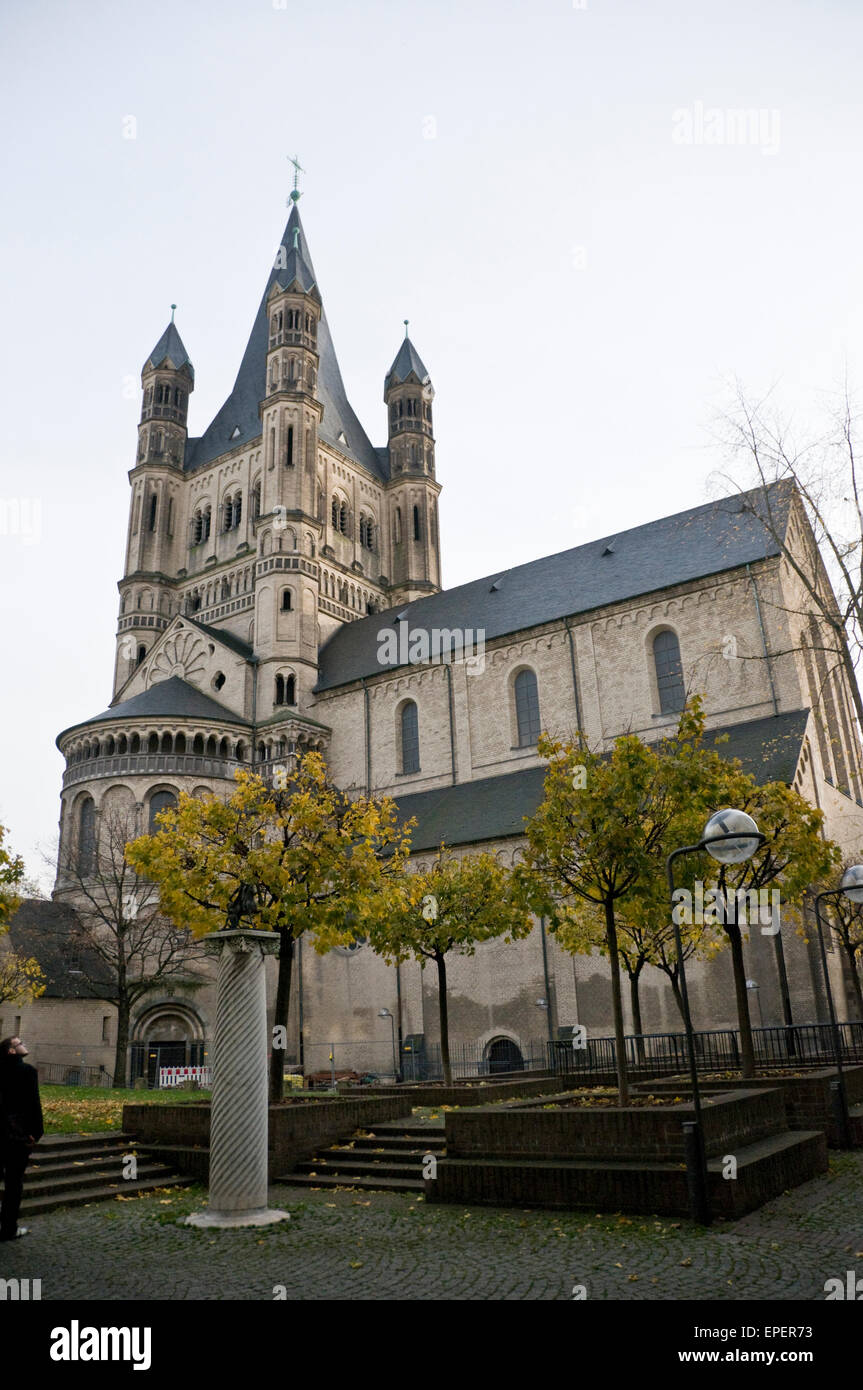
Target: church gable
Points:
(198, 655)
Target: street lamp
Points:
(850, 887)
(755, 989)
(385, 1013)
(729, 837)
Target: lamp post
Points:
(850, 887)
(754, 988)
(385, 1013)
(729, 837)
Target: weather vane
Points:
(298, 169)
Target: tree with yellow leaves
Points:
(303, 858)
(21, 977)
(452, 906)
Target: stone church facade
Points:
(282, 592)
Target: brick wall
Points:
(297, 1128)
(650, 1134)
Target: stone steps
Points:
(71, 1169)
(764, 1170)
(362, 1184)
(389, 1158)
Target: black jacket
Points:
(20, 1109)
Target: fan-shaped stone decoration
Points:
(183, 655)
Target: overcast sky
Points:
(586, 246)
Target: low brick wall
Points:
(650, 1133)
(661, 1190)
(485, 1092)
(808, 1098)
(297, 1128)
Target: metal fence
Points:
(469, 1059)
(147, 1059)
(361, 1061)
(73, 1074)
(800, 1044)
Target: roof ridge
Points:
(652, 556)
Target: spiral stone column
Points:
(239, 1109)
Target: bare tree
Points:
(807, 495)
(124, 948)
(846, 924)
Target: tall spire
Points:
(240, 413)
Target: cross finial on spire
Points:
(406, 322)
(295, 194)
(173, 307)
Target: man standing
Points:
(20, 1128)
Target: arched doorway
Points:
(168, 1035)
(502, 1054)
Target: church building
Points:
(282, 592)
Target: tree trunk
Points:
(747, 1046)
(635, 1006)
(444, 1020)
(617, 1003)
(854, 972)
(283, 1004)
(676, 991)
(122, 1049)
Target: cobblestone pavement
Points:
(359, 1245)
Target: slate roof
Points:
(704, 540)
(240, 410)
(228, 638)
(170, 349)
(173, 698)
(495, 807)
(45, 930)
(407, 360)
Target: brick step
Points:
(56, 1144)
(401, 1143)
(97, 1175)
(391, 1128)
(47, 1161)
(363, 1167)
(379, 1184)
(34, 1206)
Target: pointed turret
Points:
(167, 378)
(408, 393)
(407, 362)
(170, 353)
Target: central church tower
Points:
(248, 546)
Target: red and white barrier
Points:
(173, 1076)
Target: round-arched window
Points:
(160, 801)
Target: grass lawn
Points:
(88, 1109)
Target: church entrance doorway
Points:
(503, 1054)
(169, 1035)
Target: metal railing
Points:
(70, 1074)
(147, 1059)
(474, 1059)
(789, 1045)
